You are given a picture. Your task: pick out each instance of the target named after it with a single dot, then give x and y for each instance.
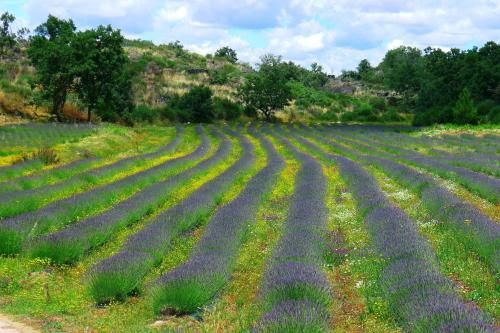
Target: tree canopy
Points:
(227, 53)
(52, 54)
(266, 90)
(91, 63)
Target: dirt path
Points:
(8, 326)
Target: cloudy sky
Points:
(335, 33)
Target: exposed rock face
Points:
(194, 71)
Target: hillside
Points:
(160, 72)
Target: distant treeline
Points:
(457, 86)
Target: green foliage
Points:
(53, 57)
(306, 96)
(227, 53)
(433, 81)
(226, 109)
(484, 107)
(363, 113)
(142, 114)
(464, 111)
(177, 47)
(225, 74)
(7, 37)
(329, 115)
(402, 69)
(100, 68)
(365, 70)
(266, 90)
(195, 106)
(494, 115)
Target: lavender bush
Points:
(191, 285)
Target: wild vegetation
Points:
(61, 72)
(257, 226)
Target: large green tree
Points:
(53, 56)
(266, 90)
(402, 69)
(101, 63)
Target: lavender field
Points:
(250, 228)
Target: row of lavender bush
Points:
(422, 299)
(191, 285)
(479, 232)
(484, 185)
(16, 230)
(119, 275)
(477, 162)
(16, 202)
(295, 292)
(70, 244)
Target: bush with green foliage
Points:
(225, 109)
(306, 96)
(494, 115)
(142, 114)
(227, 53)
(224, 75)
(363, 113)
(464, 111)
(195, 106)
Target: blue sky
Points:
(337, 34)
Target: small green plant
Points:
(47, 156)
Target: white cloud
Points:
(337, 33)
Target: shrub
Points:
(464, 111)
(484, 107)
(363, 113)
(378, 103)
(305, 96)
(439, 115)
(46, 155)
(226, 109)
(391, 115)
(330, 115)
(494, 115)
(142, 114)
(227, 73)
(195, 106)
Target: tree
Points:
(464, 111)
(266, 90)
(53, 56)
(7, 37)
(365, 70)
(402, 69)
(100, 66)
(177, 47)
(196, 106)
(228, 53)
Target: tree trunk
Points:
(58, 101)
(89, 111)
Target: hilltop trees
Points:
(52, 54)
(91, 63)
(100, 68)
(266, 90)
(227, 53)
(7, 37)
(402, 69)
(9, 40)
